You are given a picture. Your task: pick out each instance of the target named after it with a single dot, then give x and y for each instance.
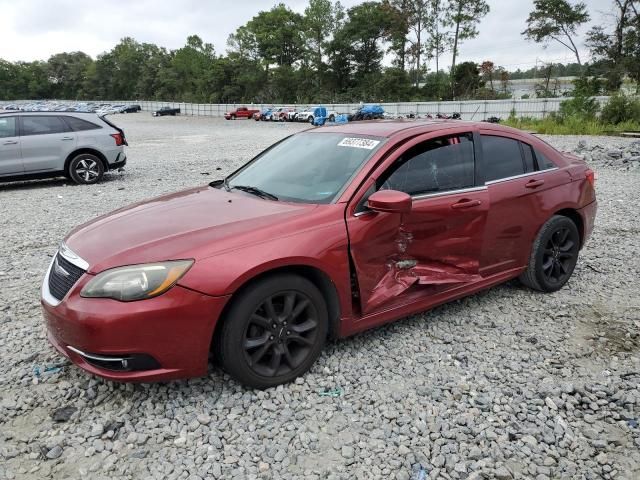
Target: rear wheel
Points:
(86, 169)
(554, 255)
(274, 331)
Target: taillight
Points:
(591, 177)
(119, 138)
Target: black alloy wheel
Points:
(280, 334)
(559, 256)
(273, 331)
(553, 256)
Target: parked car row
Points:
(279, 114)
(82, 107)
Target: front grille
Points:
(63, 276)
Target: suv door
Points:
(435, 247)
(46, 142)
(515, 184)
(10, 156)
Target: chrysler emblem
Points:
(59, 270)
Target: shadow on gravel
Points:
(51, 182)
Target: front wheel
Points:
(274, 331)
(554, 255)
(310, 119)
(86, 169)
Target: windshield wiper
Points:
(255, 191)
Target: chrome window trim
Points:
(515, 177)
(433, 195)
(449, 192)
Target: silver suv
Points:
(80, 146)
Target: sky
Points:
(36, 29)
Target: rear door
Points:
(46, 142)
(515, 183)
(400, 258)
(10, 156)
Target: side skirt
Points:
(390, 313)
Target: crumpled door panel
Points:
(432, 246)
(404, 271)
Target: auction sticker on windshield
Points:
(356, 142)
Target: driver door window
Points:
(438, 165)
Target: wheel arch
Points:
(314, 274)
(574, 216)
(80, 151)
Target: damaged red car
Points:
(327, 233)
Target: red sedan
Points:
(327, 233)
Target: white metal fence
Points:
(469, 110)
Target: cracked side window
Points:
(438, 165)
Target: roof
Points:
(389, 128)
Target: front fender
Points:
(324, 249)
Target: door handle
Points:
(466, 203)
(11, 142)
(66, 138)
(534, 183)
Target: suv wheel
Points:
(86, 169)
(554, 255)
(310, 119)
(274, 331)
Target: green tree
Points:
(618, 51)
(275, 35)
(556, 20)
(466, 80)
(464, 16)
(67, 72)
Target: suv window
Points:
(79, 125)
(7, 127)
(502, 157)
(437, 165)
(34, 125)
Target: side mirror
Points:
(390, 201)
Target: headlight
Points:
(136, 282)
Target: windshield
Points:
(307, 167)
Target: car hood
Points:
(194, 223)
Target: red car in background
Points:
(241, 112)
(327, 233)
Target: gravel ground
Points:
(505, 384)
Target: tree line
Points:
(388, 50)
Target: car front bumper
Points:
(162, 338)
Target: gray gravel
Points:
(504, 384)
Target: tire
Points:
(86, 169)
(310, 119)
(280, 353)
(332, 118)
(553, 256)
(233, 117)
